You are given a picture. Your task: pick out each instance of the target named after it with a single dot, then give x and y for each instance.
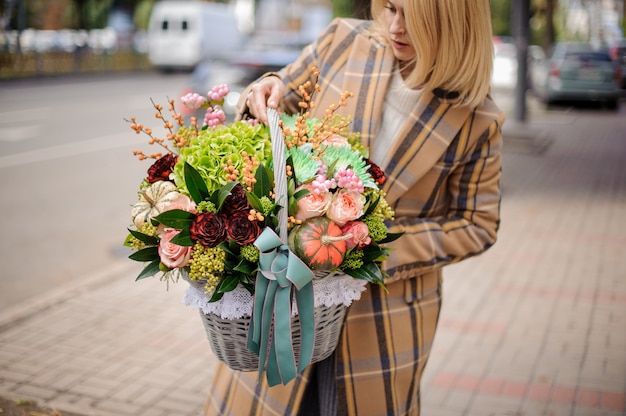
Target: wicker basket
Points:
(228, 337)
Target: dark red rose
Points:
(241, 229)
(208, 228)
(376, 172)
(161, 169)
(237, 202)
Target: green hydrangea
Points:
(206, 206)
(376, 225)
(267, 205)
(353, 260)
(250, 253)
(220, 145)
(383, 210)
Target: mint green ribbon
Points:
(281, 275)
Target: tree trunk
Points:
(53, 19)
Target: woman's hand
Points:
(267, 92)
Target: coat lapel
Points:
(420, 143)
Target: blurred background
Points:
(53, 37)
(72, 72)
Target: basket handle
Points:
(280, 171)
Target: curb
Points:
(526, 137)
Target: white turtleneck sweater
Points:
(399, 101)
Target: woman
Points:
(420, 72)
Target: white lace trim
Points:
(331, 290)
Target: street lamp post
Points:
(519, 18)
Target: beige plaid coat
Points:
(443, 171)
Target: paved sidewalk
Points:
(536, 326)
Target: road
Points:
(68, 176)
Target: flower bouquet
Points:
(276, 228)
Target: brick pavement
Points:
(533, 327)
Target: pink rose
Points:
(172, 255)
(360, 234)
(336, 141)
(345, 206)
(312, 204)
(181, 202)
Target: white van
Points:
(182, 33)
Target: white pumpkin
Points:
(152, 201)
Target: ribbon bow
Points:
(281, 275)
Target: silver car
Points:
(577, 72)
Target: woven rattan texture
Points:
(228, 337)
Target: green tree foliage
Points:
(501, 17)
(546, 22)
(351, 8)
(142, 13)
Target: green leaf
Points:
(371, 205)
(301, 194)
(263, 185)
(228, 283)
(216, 296)
(249, 286)
(148, 239)
(291, 186)
(245, 267)
(183, 238)
(272, 222)
(221, 194)
(146, 254)
(254, 201)
(195, 184)
(373, 252)
(227, 248)
(391, 237)
(370, 272)
(176, 218)
(150, 270)
(292, 203)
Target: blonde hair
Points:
(453, 44)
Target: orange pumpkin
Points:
(319, 243)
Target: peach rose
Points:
(360, 234)
(345, 206)
(336, 140)
(172, 255)
(312, 204)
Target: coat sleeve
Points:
(469, 224)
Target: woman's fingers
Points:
(265, 93)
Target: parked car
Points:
(504, 73)
(618, 53)
(183, 33)
(577, 72)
